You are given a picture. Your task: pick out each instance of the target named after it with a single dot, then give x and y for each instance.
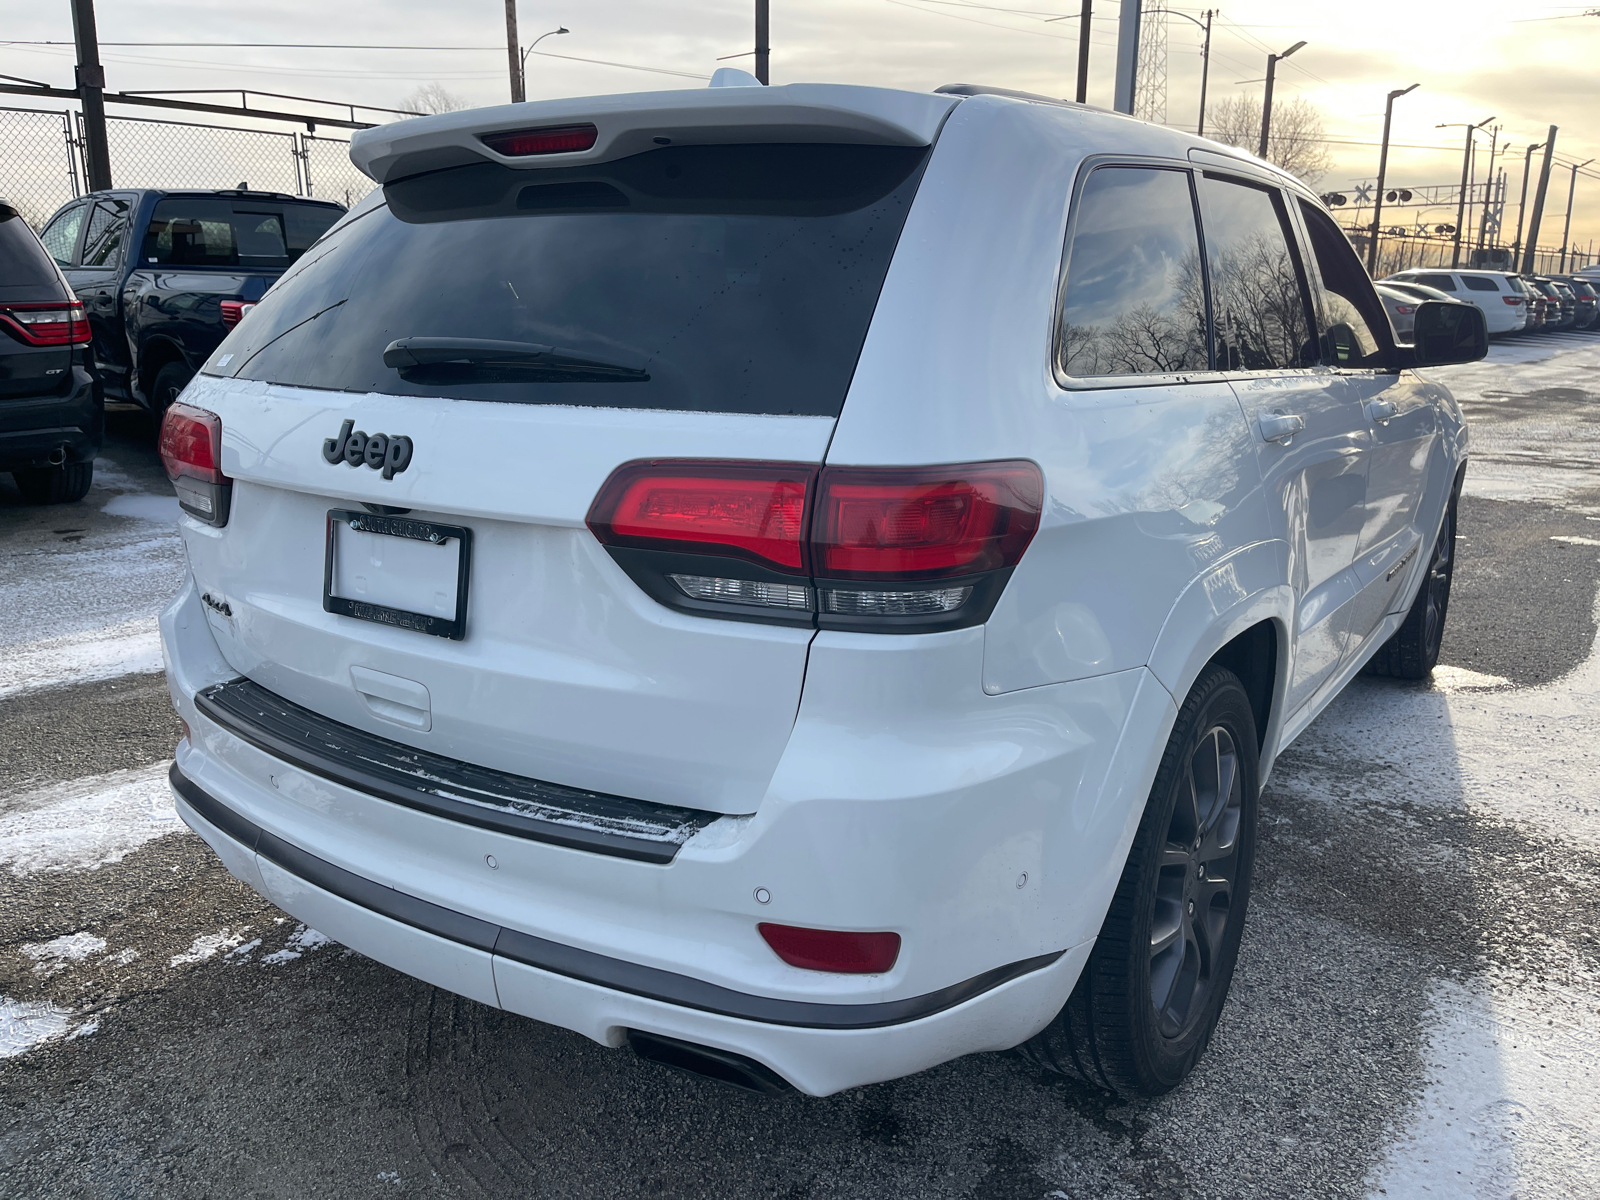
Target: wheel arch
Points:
(157, 351)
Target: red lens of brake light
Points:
(191, 444)
(924, 522)
(233, 312)
(755, 511)
(555, 139)
(55, 323)
(832, 950)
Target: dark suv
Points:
(52, 415)
(165, 275)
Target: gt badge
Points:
(389, 453)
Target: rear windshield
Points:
(201, 231)
(24, 265)
(701, 278)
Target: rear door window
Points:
(1259, 301)
(1133, 302)
(203, 231)
(108, 229)
(60, 237)
(1443, 282)
(705, 278)
(1353, 331)
(1479, 283)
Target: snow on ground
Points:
(25, 1024)
(101, 653)
(207, 945)
(301, 941)
(87, 822)
(52, 956)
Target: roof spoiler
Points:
(633, 123)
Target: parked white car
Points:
(808, 581)
(1498, 294)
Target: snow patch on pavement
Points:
(163, 510)
(301, 941)
(25, 1024)
(86, 823)
(207, 945)
(52, 956)
(133, 647)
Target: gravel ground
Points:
(1415, 1013)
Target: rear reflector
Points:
(832, 950)
(754, 511)
(554, 139)
(191, 451)
(53, 323)
(233, 311)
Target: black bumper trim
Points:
(440, 786)
(652, 983)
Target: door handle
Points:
(1379, 411)
(1280, 427)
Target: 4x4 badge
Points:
(389, 453)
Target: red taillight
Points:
(832, 950)
(1404, 309)
(755, 511)
(556, 139)
(55, 323)
(233, 311)
(191, 451)
(924, 522)
(1512, 299)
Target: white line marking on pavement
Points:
(88, 822)
(134, 647)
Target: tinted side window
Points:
(23, 262)
(1259, 301)
(1351, 313)
(60, 237)
(108, 228)
(202, 231)
(1133, 302)
(1478, 283)
(1443, 282)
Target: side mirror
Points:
(1448, 333)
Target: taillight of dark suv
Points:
(881, 549)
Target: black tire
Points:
(1176, 919)
(64, 484)
(1413, 651)
(169, 382)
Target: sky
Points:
(1527, 64)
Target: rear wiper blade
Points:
(483, 355)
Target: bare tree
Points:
(1295, 141)
(433, 98)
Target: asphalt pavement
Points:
(1416, 1010)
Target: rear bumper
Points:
(990, 838)
(36, 431)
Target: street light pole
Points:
(1084, 18)
(1383, 169)
(1488, 191)
(1205, 61)
(1567, 229)
(522, 71)
(1461, 200)
(1266, 103)
(1522, 202)
(1538, 203)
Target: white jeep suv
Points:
(807, 581)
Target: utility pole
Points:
(1538, 203)
(1488, 189)
(1127, 56)
(514, 52)
(1205, 71)
(1522, 202)
(1461, 199)
(91, 96)
(1383, 168)
(1266, 101)
(762, 49)
(1083, 51)
(1567, 229)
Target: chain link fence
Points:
(41, 159)
(38, 163)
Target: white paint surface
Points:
(87, 822)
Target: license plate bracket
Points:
(350, 531)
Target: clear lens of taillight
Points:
(54, 323)
(191, 451)
(889, 549)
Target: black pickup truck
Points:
(164, 275)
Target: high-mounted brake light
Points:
(889, 549)
(838, 951)
(754, 511)
(233, 311)
(555, 139)
(49, 323)
(191, 451)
